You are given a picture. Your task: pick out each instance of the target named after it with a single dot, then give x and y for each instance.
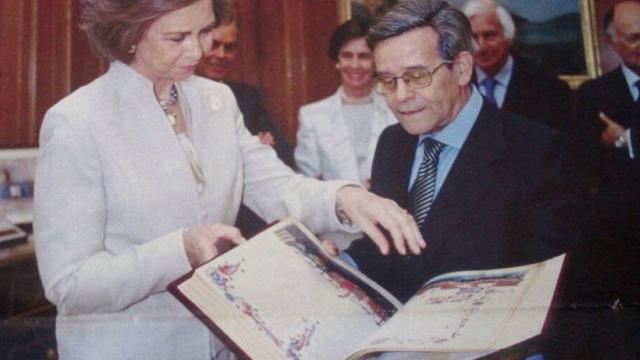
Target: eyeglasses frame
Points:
(403, 77)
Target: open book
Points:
(280, 296)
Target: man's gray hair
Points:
(451, 25)
(476, 7)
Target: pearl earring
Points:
(133, 48)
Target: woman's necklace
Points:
(172, 116)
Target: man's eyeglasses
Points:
(415, 79)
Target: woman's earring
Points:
(338, 66)
(133, 48)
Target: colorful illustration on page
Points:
(223, 276)
(346, 285)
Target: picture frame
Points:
(573, 53)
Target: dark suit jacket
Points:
(510, 198)
(618, 190)
(610, 94)
(257, 119)
(537, 94)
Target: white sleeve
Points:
(306, 153)
(79, 275)
(274, 191)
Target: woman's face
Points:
(172, 46)
(355, 64)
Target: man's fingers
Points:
(403, 230)
(376, 236)
(605, 119)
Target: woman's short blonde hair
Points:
(114, 26)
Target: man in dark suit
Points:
(514, 83)
(215, 65)
(488, 188)
(608, 115)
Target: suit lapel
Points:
(623, 106)
(392, 164)
(472, 174)
(517, 85)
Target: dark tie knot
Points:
(432, 149)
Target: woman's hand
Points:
(204, 242)
(371, 212)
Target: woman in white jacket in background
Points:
(337, 136)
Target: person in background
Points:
(608, 132)
(139, 176)
(337, 136)
(488, 188)
(215, 65)
(510, 81)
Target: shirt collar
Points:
(631, 77)
(456, 132)
(501, 76)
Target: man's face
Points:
(626, 42)
(216, 63)
(431, 108)
(493, 46)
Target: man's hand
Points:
(204, 242)
(369, 211)
(266, 138)
(611, 131)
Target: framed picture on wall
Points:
(557, 34)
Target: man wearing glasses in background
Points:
(487, 188)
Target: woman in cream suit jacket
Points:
(337, 136)
(133, 191)
(324, 148)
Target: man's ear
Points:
(463, 68)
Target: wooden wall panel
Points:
(53, 56)
(245, 68)
(282, 59)
(322, 77)
(284, 56)
(17, 25)
(84, 64)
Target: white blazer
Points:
(324, 148)
(113, 192)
